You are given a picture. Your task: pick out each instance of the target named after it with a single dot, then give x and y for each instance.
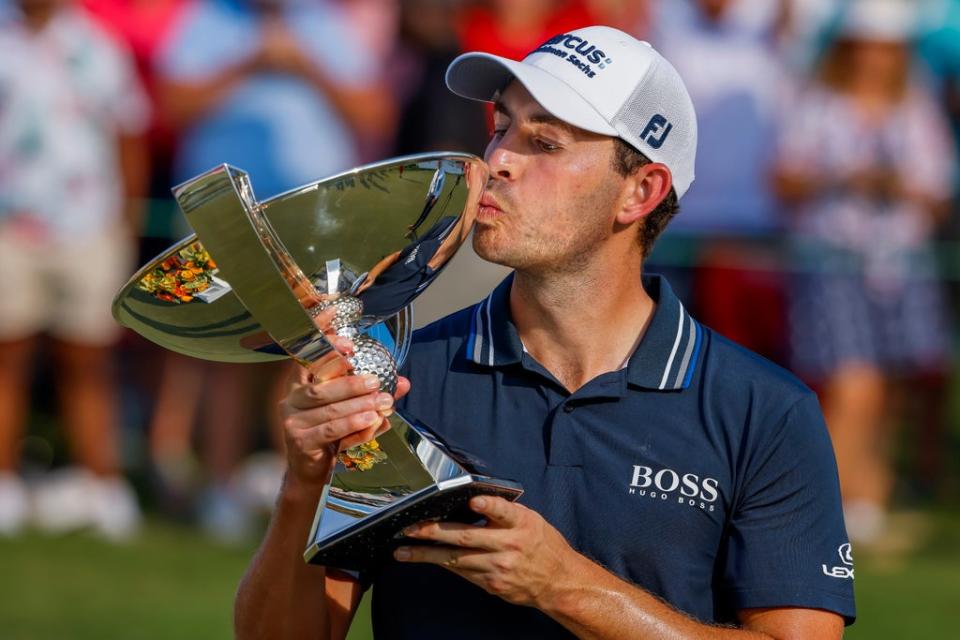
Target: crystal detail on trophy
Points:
(345, 256)
(369, 356)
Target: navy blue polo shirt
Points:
(699, 472)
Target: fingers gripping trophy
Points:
(304, 274)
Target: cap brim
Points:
(479, 76)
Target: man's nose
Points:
(502, 160)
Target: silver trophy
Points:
(342, 256)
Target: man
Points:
(674, 482)
(73, 165)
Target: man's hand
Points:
(517, 555)
(328, 411)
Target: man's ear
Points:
(644, 190)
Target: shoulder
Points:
(436, 349)
(445, 335)
(771, 423)
(755, 401)
(731, 367)
(96, 39)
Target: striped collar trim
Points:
(493, 339)
(664, 360)
(666, 357)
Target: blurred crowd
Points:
(817, 233)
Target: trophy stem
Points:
(369, 356)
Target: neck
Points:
(579, 325)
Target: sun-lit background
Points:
(821, 231)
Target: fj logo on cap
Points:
(650, 131)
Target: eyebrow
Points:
(538, 118)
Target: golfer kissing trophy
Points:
(344, 256)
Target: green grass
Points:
(911, 588)
(173, 584)
(169, 584)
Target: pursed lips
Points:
(489, 206)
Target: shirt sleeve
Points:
(928, 158)
(787, 543)
(128, 103)
(119, 94)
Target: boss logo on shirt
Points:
(591, 55)
(687, 489)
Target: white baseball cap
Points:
(602, 80)
(879, 20)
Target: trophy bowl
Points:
(343, 256)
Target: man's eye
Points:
(547, 146)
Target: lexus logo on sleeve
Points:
(846, 570)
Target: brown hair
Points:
(626, 160)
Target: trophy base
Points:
(371, 541)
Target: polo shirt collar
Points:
(664, 360)
(494, 340)
(667, 355)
